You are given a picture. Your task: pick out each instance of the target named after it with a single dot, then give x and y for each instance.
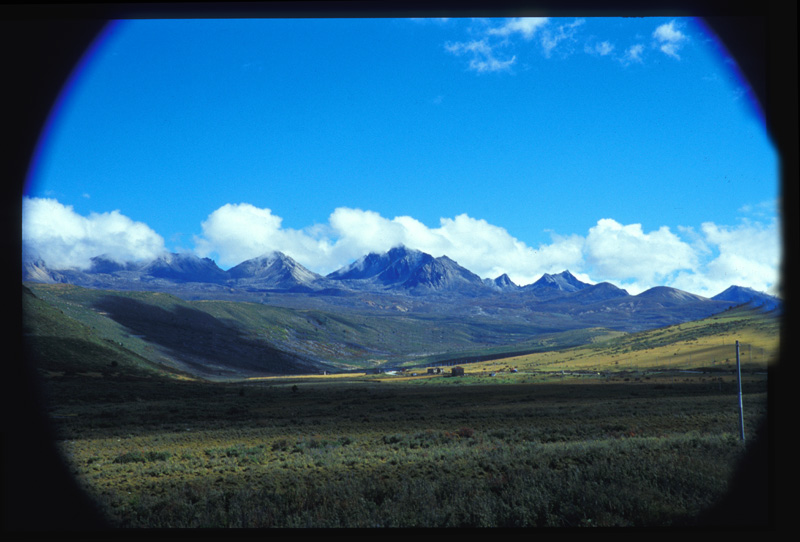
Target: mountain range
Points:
(403, 280)
(400, 270)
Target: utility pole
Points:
(739, 377)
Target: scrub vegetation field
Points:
(638, 430)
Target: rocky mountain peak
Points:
(741, 294)
(184, 267)
(504, 282)
(274, 270)
(564, 281)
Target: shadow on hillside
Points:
(204, 344)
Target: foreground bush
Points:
(489, 483)
(527, 455)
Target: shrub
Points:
(139, 457)
(130, 457)
(466, 432)
(157, 456)
(392, 439)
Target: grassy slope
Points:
(156, 326)
(707, 344)
(240, 338)
(62, 343)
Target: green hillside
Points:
(158, 329)
(67, 340)
(229, 339)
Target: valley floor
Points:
(653, 451)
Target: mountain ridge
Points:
(563, 282)
(437, 284)
(274, 271)
(742, 294)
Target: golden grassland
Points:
(682, 347)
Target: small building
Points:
(435, 371)
(457, 371)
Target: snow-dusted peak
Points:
(564, 281)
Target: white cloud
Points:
(558, 38)
(604, 48)
(704, 262)
(485, 249)
(670, 49)
(482, 56)
(668, 33)
(527, 26)
(67, 240)
(482, 52)
(552, 38)
(239, 232)
(748, 255)
(764, 209)
(670, 39)
(633, 53)
(358, 232)
(626, 254)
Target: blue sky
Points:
(625, 150)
